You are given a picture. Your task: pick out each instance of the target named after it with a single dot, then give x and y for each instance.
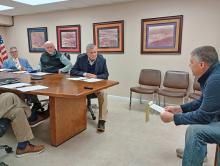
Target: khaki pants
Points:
(102, 99)
(13, 108)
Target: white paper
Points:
(16, 85)
(156, 107)
(77, 78)
(40, 73)
(92, 80)
(5, 70)
(32, 88)
(20, 72)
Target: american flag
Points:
(3, 53)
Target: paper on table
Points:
(20, 72)
(31, 88)
(92, 80)
(5, 70)
(76, 78)
(156, 107)
(40, 73)
(16, 85)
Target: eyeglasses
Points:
(12, 52)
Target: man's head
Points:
(14, 52)
(91, 51)
(49, 47)
(202, 58)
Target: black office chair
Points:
(89, 105)
(4, 125)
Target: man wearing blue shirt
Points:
(15, 62)
(203, 115)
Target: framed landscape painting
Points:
(161, 35)
(109, 36)
(69, 38)
(36, 39)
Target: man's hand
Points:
(166, 116)
(173, 109)
(89, 75)
(22, 68)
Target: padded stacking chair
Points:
(149, 83)
(175, 85)
(196, 94)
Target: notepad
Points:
(40, 73)
(77, 78)
(32, 88)
(92, 80)
(16, 85)
(156, 107)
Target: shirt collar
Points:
(205, 76)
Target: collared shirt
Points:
(91, 63)
(17, 63)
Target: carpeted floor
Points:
(127, 141)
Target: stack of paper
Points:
(16, 85)
(84, 79)
(31, 88)
(40, 73)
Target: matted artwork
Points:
(69, 38)
(109, 36)
(36, 39)
(161, 35)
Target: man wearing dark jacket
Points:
(202, 115)
(93, 65)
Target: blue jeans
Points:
(196, 139)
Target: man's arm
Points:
(27, 66)
(104, 74)
(191, 106)
(76, 70)
(210, 106)
(67, 64)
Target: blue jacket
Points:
(81, 66)
(10, 64)
(207, 108)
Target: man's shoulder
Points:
(82, 56)
(100, 56)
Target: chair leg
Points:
(183, 100)
(92, 113)
(140, 98)
(216, 156)
(153, 97)
(158, 99)
(164, 102)
(130, 100)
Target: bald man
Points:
(52, 61)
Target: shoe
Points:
(36, 107)
(40, 119)
(29, 149)
(101, 126)
(179, 153)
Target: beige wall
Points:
(200, 27)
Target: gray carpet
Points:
(127, 141)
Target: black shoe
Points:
(37, 107)
(101, 126)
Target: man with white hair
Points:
(93, 65)
(52, 61)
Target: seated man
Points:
(203, 115)
(13, 108)
(17, 63)
(93, 65)
(52, 61)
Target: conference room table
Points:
(67, 100)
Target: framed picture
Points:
(36, 39)
(161, 35)
(69, 38)
(109, 36)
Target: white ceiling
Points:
(22, 9)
